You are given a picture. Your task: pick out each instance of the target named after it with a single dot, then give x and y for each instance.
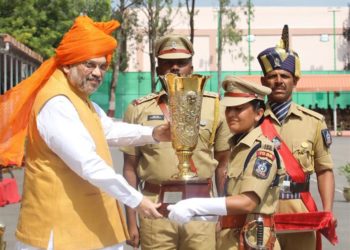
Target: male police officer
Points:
(305, 134)
(152, 165)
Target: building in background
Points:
(316, 33)
(313, 33)
(17, 62)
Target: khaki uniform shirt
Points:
(158, 162)
(259, 174)
(258, 177)
(302, 131)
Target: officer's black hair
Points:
(258, 104)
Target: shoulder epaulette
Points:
(310, 112)
(210, 94)
(145, 98)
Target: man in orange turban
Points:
(70, 187)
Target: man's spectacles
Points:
(91, 66)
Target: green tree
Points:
(227, 30)
(158, 14)
(346, 35)
(191, 11)
(40, 24)
(126, 31)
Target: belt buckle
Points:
(286, 187)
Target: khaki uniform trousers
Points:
(163, 234)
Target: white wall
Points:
(306, 24)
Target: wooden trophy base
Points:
(175, 190)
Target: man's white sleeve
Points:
(124, 134)
(62, 130)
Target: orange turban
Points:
(86, 39)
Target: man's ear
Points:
(66, 69)
(263, 80)
(296, 79)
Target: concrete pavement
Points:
(340, 152)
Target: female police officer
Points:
(253, 175)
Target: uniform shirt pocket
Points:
(304, 154)
(234, 174)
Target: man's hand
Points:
(162, 132)
(134, 240)
(148, 209)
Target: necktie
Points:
(280, 109)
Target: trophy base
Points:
(175, 190)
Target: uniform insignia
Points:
(145, 98)
(327, 138)
(262, 168)
(230, 87)
(173, 45)
(276, 142)
(265, 154)
(203, 123)
(277, 62)
(155, 117)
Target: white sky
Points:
(282, 2)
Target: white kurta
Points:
(60, 127)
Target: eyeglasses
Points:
(91, 66)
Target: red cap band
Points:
(230, 94)
(168, 51)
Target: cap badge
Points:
(173, 44)
(230, 87)
(203, 123)
(277, 62)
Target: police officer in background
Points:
(253, 176)
(149, 166)
(306, 136)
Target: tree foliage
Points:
(158, 15)
(191, 11)
(346, 35)
(40, 24)
(227, 28)
(126, 31)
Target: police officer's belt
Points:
(296, 187)
(238, 221)
(155, 188)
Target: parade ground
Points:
(340, 153)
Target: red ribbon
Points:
(313, 221)
(295, 171)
